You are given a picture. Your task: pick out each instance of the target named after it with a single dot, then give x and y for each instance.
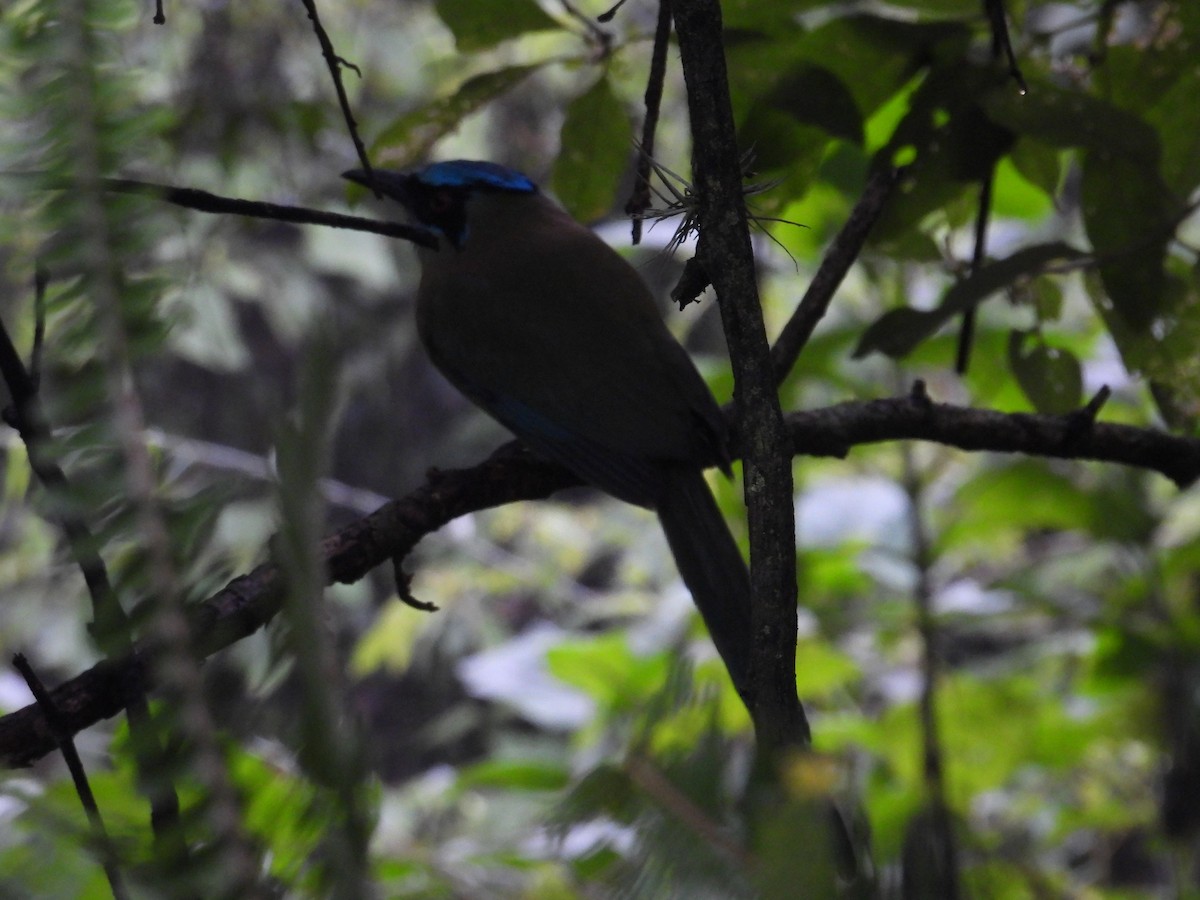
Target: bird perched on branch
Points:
(549, 330)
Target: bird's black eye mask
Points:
(441, 208)
(436, 196)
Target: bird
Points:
(549, 330)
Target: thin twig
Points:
(639, 200)
(203, 201)
(250, 601)
(1002, 42)
(945, 849)
(607, 15)
(336, 63)
(41, 279)
(647, 776)
(837, 261)
(83, 788)
(966, 333)
(595, 33)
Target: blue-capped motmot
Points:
(548, 329)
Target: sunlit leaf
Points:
(595, 151)
(477, 26)
(523, 775)
(409, 138)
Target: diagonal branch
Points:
(250, 601)
(837, 261)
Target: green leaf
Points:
(1130, 216)
(410, 137)
(477, 26)
(1046, 295)
(1177, 118)
(1160, 83)
(595, 151)
(948, 143)
(606, 670)
(898, 331)
(771, 17)
(1064, 118)
(874, 56)
(1038, 163)
(790, 127)
(606, 790)
(1051, 378)
(1013, 197)
(964, 8)
(524, 775)
(1023, 495)
(815, 96)
(822, 670)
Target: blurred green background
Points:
(561, 727)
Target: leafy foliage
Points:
(560, 727)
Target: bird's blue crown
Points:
(466, 173)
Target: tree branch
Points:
(727, 258)
(250, 601)
(842, 253)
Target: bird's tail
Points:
(712, 567)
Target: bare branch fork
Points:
(250, 601)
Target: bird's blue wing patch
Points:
(468, 173)
(525, 419)
(623, 475)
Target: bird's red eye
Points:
(440, 202)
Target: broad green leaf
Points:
(1064, 118)
(1046, 294)
(595, 151)
(874, 56)
(813, 95)
(871, 58)
(1129, 215)
(477, 26)
(769, 17)
(16, 473)
(1014, 197)
(1160, 82)
(898, 331)
(1126, 656)
(1177, 119)
(409, 138)
(606, 790)
(606, 669)
(948, 143)
(1023, 495)
(1038, 163)
(1051, 378)
(1165, 352)
(791, 126)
